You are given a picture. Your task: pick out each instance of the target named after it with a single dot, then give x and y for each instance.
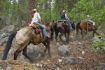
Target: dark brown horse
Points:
(85, 26)
(61, 29)
(23, 38)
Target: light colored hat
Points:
(88, 16)
(34, 9)
(64, 10)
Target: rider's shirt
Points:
(36, 18)
(64, 16)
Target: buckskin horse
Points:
(23, 38)
(62, 28)
(85, 26)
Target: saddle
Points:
(89, 23)
(35, 28)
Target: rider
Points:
(89, 19)
(64, 17)
(36, 20)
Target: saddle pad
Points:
(34, 26)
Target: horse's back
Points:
(83, 25)
(23, 35)
(25, 31)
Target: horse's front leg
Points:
(94, 32)
(65, 35)
(25, 53)
(19, 49)
(56, 36)
(77, 31)
(68, 38)
(17, 53)
(60, 36)
(82, 33)
(47, 45)
(52, 34)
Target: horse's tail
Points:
(8, 45)
(77, 27)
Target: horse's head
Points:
(49, 28)
(92, 27)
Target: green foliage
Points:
(77, 9)
(94, 8)
(97, 46)
(46, 15)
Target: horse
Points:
(85, 26)
(23, 38)
(52, 24)
(63, 28)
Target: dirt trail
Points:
(80, 50)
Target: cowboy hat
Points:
(34, 9)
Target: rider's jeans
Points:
(43, 28)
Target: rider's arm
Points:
(66, 16)
(33, 18)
